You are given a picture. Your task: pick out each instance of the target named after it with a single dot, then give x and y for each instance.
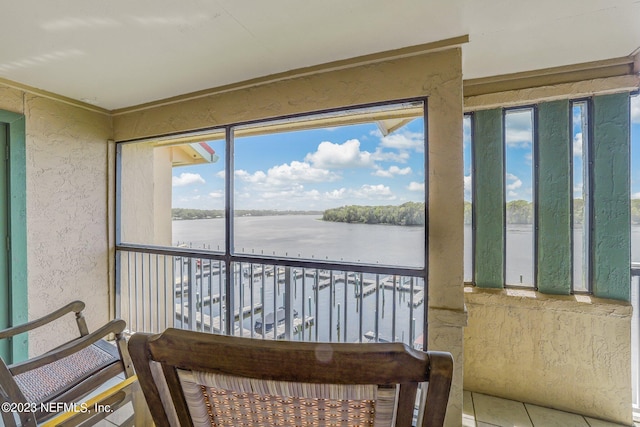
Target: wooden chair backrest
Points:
(163, 361)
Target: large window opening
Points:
(580, 194)
(344, 188)
(635, 250)
(304, 228)
(635, 179)
(467, 141)
(519, 197)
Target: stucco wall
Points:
(67, 244)
(571, 353)
(437, 75)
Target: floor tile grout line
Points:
(473, 407)
(528, 414)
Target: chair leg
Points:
(124, 354)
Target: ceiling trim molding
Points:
(301, 72)
(53, 96)
(617, 67)
(572, 90)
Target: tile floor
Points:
(481, 410)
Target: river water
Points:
(307, 236)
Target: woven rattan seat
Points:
(197, 379)
(64, 374)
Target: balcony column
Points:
(447, 315)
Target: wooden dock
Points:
(207, 323)
(298, 326)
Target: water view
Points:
(308, 237)
(327, 305)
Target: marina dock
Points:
(207, 323)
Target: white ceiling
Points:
(119, 53)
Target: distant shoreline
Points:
(181, 214)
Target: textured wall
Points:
(67, 240)
(554, 198)
(611, 201)
(488, 163)
(564, 352)
(66, 209)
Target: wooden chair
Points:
(64, 374)
(197, 379)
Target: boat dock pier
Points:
(207, 323)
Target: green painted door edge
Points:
(17, 217)
(5, 304)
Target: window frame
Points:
(589, 212)
(472, 173)
(230, 256)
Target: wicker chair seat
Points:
(65, 374)
(227, 401)
(45, 383)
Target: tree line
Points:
(183, 213)
(521, 212)
(410, 213)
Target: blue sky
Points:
(312, 170)
(331, 167)
(518, 153)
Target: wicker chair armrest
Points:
(115, 326)
(75, 307)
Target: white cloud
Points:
(468, 185)
(288, 193)
(416, 186)
(466, 130)
(635, 109)
(519, 128)
(298, 172)
(635, 195)
(217, 194)
(338, 156)
(404, 141)
(187, 179)
(256, 177)
(513, 183)
(307, 198)
(336, 194)
(577, 145)
(392, 171)
(368, 191)
(387, 156)
(287, 174)
(518, 137)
